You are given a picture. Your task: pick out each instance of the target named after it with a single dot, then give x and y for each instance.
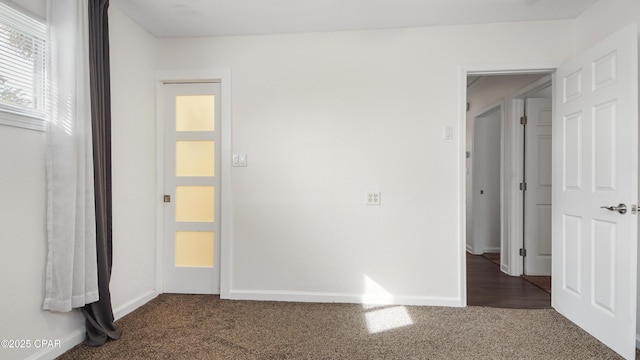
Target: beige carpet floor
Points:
(205, 327)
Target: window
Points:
(22, 68)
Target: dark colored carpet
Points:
(205, 327)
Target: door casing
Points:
(509, 151)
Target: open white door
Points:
(595, 164)
(537, 197)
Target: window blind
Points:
(22, 62)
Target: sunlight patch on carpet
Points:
(387, 319)
(379, 315)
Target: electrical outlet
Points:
(373, 198)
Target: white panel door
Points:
(595, 159)
(192, 188)
(537, 197)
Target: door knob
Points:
(621, 208)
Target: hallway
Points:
(488, 286)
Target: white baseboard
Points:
(134, 304)
(66, 344)
(77, 336)
(492, 250)
(297, 296)
(505, 269)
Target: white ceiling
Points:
(188, 18)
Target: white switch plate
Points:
(448, 133)
(239, 160)
(373, 198)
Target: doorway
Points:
(498, 149)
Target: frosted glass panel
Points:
(194, 249)
(195, 113)
(195, 158)
(195, 203)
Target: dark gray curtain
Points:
(99, 315)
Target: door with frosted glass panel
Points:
(192, 188)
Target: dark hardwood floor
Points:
(488, 286)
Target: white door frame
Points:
(483, 69)
(222, 76)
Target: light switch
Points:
(448, 132)
(242, 160)
(236, 160)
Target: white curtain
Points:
(71, 273)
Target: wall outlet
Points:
(373, 198)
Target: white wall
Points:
(603, 19)
(23, 194)
(133, 162)
(326, 117)
(22, 229)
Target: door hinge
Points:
(523, 120)
(523, 252)
(523, 186)
(167, 198)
